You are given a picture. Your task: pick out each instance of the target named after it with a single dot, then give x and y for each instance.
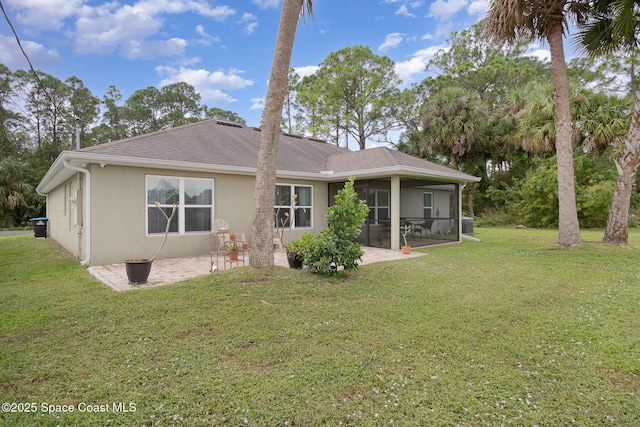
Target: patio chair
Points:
(221, 231)
(426, 226)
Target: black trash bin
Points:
(40, 227)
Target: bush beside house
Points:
(335, 246)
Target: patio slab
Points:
(166, 271)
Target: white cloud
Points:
(12, 57)
(307, 70)
(205, 38)
(417, 64)
(136, 49)
(391, 40)
(444, 28)
(209, 84)
(101, 29)
(257, 104)
(201, 7)
(541, 54)
(250, 28)
(403, 10)
(478, 7)
(44, 15)
(250, 22)
(443, 9)
(266, 4)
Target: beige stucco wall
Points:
(64, 210)
(118, 207)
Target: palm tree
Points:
(264, 193)
(14, 190)
(535, 131)
(455, 127)
(546, 20)
(453, 122)
(613, 27)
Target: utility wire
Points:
(26, 56)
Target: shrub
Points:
(335, 247)
(534, 200)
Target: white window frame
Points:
(426, 208)
(181, 213)
(292, 223)
(375, 208)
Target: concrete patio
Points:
(166, 271)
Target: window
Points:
(293, 201)
(427, 204)
(195, 204)
(378, 202)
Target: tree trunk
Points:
(265, 187)
(568, 226)
(470, 193)
(617, 231)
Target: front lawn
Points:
(510, 331)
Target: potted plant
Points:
(406, 249)
(233, 247)
(138, 269)
(294, 254)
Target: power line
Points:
(26, 56)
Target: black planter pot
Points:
(293, 261)
(138, 270)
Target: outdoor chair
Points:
(426, 226)
(220, 229)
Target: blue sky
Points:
(223, 48)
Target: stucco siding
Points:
(64, 210)
(118, 208)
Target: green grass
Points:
(510, 331)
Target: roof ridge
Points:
(390, 154)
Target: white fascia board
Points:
(56, 173)
(404, 171)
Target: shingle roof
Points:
(217, 146)
(216, 142)
(382, 157)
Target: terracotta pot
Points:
(138, 270)
(233, 255)
(406, 250)
(245, 246)
(232, 236)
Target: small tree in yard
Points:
(335, 247)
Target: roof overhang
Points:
(58, 173)
(400, 170)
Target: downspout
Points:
(86, 226)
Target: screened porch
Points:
(428, 210)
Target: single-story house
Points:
(101, 200)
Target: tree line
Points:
(486, 109)
(40, 116)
